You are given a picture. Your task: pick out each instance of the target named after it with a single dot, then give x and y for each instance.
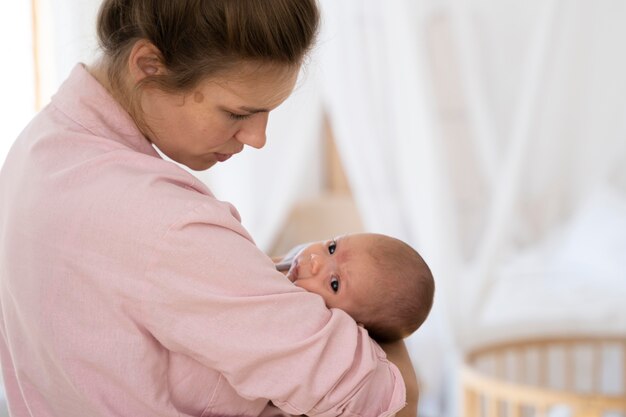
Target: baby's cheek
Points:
(303, 285)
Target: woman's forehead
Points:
(268, 84)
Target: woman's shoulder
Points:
(160, 191)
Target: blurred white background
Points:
(489, 134)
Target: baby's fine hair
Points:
(405, 291)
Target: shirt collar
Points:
(83, 99)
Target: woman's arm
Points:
(212, 295)
(396, 353)
(399, 356)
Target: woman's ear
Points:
(144, 60)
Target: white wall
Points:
(17, 102)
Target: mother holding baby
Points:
(126, 287)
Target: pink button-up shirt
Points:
(128, 289)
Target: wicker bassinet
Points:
(554, 377)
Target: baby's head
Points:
(380, 281)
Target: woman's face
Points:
(220, 116)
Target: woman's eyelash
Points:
(234, 116)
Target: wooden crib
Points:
(551, 377)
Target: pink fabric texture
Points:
(128, 289)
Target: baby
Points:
(382, 282)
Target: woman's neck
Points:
(99, 71)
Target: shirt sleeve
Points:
(211, 294)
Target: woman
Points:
(126, 287)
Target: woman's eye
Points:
(234, 116)
(332, 247)
(334, 283)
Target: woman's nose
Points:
(252, 133)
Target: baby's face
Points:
(340, 270)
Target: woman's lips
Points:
(221, 157)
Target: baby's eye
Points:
(332, 247)
(334, 283)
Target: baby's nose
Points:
(316, 263)
(320, 264)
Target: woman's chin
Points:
(199, 165)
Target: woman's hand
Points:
(399, 356)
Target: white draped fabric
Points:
(503, 163)
(522, 211)
(17, 105)
(548, 111)
(382, 111)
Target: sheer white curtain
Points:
(381, 110)
(522, 211)
(545, 91)
(17, 75)
(66, 36)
